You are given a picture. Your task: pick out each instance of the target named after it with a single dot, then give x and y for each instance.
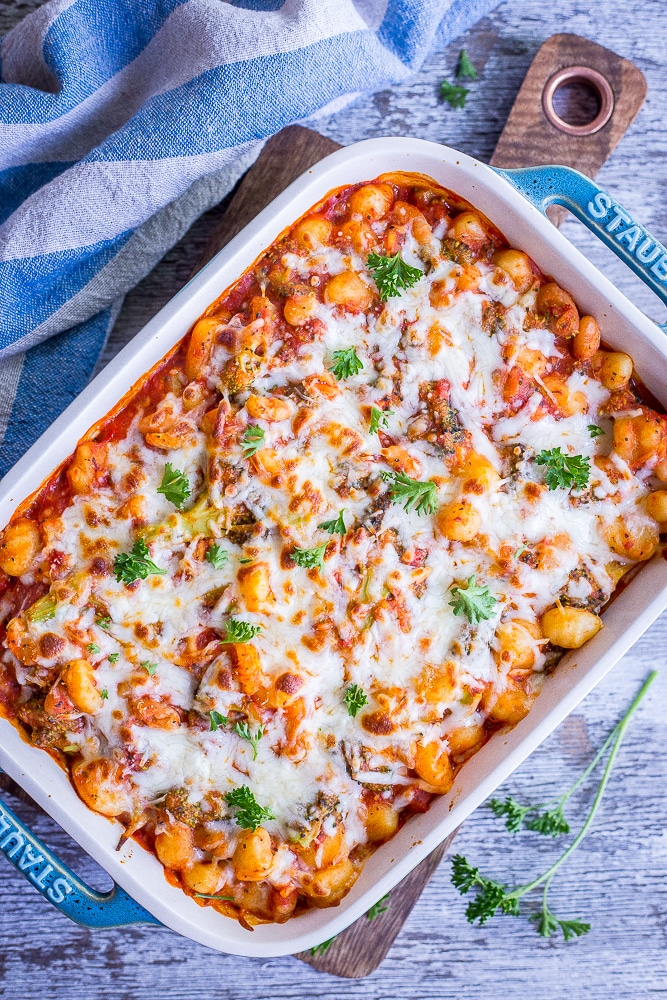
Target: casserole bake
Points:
(609, 335)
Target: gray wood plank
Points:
(618, 878)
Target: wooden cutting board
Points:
(529, 139)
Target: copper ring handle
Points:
(596, 81)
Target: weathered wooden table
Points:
(618, 879)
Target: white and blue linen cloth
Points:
(123, 120)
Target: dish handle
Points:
(59, 885)
(597, 209)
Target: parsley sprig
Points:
(218, 721)
(92, 647)
(216, 556)
(492, 896)
(242, 729)
(355, 699)
(392, 274)
(321, 949)
(310, 558)
(454, 94)
(346, 363)
(564, 471)
(174, 486)
(336, 526)
(379, 418)
(238, 631)
(135, 565)
(252, 441)
(595, 431)
(247, 811)
(412, 493)
(150, 668)
(376, 909)
(474, 601)
(465, 68)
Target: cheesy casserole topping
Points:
(332, 541)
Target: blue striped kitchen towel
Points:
(122, 120)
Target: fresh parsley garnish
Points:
(520, 551)
(113, 657)
(238, 631)
(92, 647)
(392, 274)
(346, 363)
(321, 949)
(564, 471)
(310, 558)
(595, 431)
(473, 601)
(149, 667)
(465, 68)
(174, 486)
(453, 94)
(104, 693)
(253, 439)
(217, 721)
(242, 729)
(216, 556)
(492, 896)
(135, 565)
(355, 699)
(246, 559)
(376, 909)
(412, 493)
(550, 823)
(336, 526)
(379, 418)
(247, 811)
(104, 621)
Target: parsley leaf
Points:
(564, 471)
(456, 96)
(550, 823)
(310, 558)
(379, 418)
(92, 647)
(422, 495)
(104, 693)
(391, 274)
(174, 486)
(247, 811)
(113, 657)
(253, 439)
(135, 565)
(149, 667)
(336, 526)
(216, 556)
(473, 601)
(465, 68)
(217, 721)
(207, 895)
(238, 631)
(595, 431)
(320, 949)
(376, 909)
(512, 810)
(104, 621)
(346, 363)
(242, 729)
(355, 699)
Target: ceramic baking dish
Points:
(514, 201)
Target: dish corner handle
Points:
(59, 885)
(601, 213)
